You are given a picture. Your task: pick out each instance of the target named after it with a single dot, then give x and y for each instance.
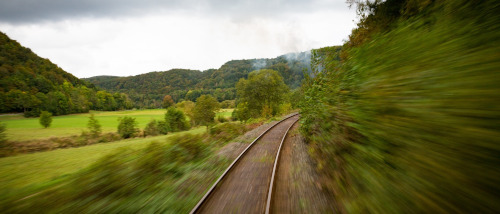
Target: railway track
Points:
(247, 184)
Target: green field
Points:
(225, 113)
(27, 169)
(21, 128)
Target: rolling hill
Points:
(147, 90)
(31, 84)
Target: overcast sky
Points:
(129, 37)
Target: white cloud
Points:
(126, 46)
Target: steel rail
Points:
(275, 167)
(211, 190)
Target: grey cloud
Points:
(30, 11)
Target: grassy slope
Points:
(20, 128)
(28, 169)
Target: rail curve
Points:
(265, 140)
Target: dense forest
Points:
(148, 90)
(405, 117)
(31, 84)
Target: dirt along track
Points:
(296, 184)
(245, 187)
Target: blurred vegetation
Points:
(405, 118)
(163, 177)
(35, 169)
(224, 132)
(11, 148)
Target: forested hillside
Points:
(147, 90)
(30, 84)
(405, 118)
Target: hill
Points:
(30, 84)
(147, 90)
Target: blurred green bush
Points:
(225, 132)
(409, 121)
(163, 177)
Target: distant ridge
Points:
(147, 90)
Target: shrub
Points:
(266, 112)
(153, 158)
(94, 126)
(241, 112)
(152, 128)
(192, 145)
(110, 175)
(227, 131)
(175, 120)
(127, 127)
(227, 104)
(162, 127)
(408, 123)
(222, 119)
(45, 119)
(109, 137)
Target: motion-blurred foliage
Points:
(165, 177)
(227, 131)
(405, 119)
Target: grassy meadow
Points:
(167, 173)
(20, 128)
(31, 169)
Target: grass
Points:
(28, 169)
(225, 113)
(163, 176)
(20, 128)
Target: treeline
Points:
(31, 84)
(404, 118)
(148, 90)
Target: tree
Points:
(127, 127)
(45, 119)
(94, 126)
(241, 112)
(175, 120)
(193, 95)
(261, 94)
(205, 109)
(187, 107)
(167, 101)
